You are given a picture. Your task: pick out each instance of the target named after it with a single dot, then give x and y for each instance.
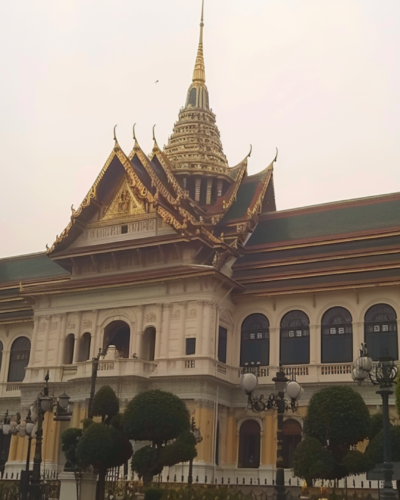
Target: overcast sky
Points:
(319, 79)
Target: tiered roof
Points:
(349, 244)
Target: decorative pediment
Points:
(124, 204)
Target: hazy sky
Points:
(319, 79)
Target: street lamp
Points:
(26, 429)
(382, 373)
(43, 404)
(7, 426)
(277, 402)
(95, 367)
(198, 437)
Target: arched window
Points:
(69, 344)
(254, 346)
(295, 339)
(249, 445)
(380, 331)
(84, 347)
(117, 333)
(19, 359)
(149, 344)
(291, 431)
(337, 336)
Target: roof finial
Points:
(115, 135)
(276, 156)
(154, 138)
(134, 133)
(199, 73)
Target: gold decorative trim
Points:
(226, 205)
(257, 206)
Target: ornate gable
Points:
(124, 204)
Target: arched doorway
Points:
(84, 347)
(69, 344)
(291, 438)
(149, 344)
(19, 359)
(117, 333)
(249, 445)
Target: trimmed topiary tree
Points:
(337, 419)
(100, 445)
(163, 419)
(105, 404)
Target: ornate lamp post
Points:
(43, 404)
(382, 373)
(198, 437)
(26, 429)
(277, 402)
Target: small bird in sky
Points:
(156, 81)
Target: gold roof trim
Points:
(143, 192)
(227, 204)
(164, 162)
(257, 206)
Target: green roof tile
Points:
(29, 267)
(327, 222)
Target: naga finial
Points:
(154, 138)
(276, 156)
(115, 135)
(251, 150)
(134, 133)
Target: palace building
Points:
(182, 269)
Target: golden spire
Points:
(199, 73)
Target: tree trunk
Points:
(101, 484)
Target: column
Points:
(358, 338)
(165, 326)
(274, 346)
(158, 332)
(77, 337)
(200, 333)
(34, 339)
(139, 332)
(94, 347)
(58, 336)
(230, 437)
(315, 344)
(182, 337)
(197, 188)
(61, 341)
(209, 329)
(46, 335)
(209, 190)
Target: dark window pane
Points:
(295, 339)
(19, 359)
(222, 344)
(337, 336)
(254, 347)
(249, 445)
(380, 331)
(190, 346)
